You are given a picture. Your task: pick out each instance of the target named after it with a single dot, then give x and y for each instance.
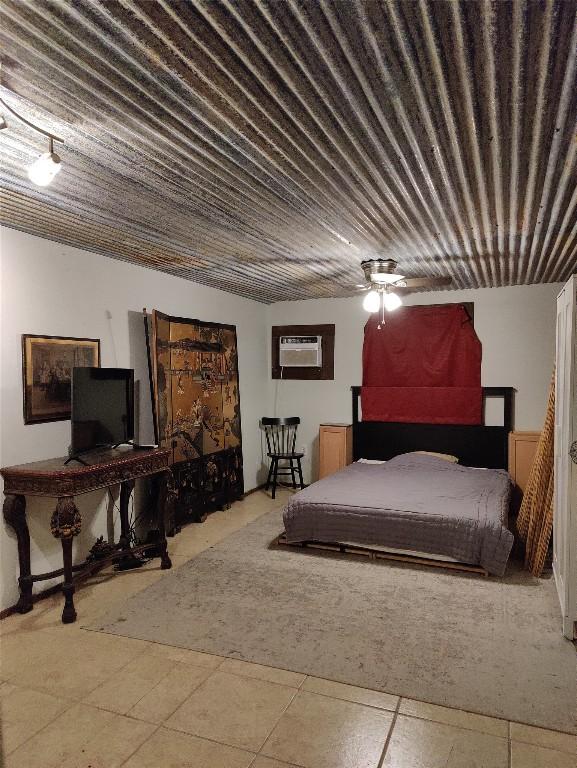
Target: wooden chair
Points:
(281, 435)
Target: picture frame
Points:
(47, 363)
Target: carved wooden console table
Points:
(55, 479)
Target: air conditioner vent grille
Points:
(300, 352)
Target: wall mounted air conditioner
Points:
(300, 352)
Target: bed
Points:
(414, 506)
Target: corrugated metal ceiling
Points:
(267, 148)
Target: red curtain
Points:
(422, 366)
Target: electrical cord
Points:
(133, 520)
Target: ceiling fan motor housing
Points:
(380, 271)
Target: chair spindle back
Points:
(281, 434)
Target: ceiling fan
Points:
(386, 286)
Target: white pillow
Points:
(444, 456)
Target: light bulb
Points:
(392, 301)
(44, 169)
(371, 302)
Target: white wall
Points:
(516, 326)
(53, 289)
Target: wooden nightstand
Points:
(522, 447)
(335, 448)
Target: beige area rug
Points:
(492, 646)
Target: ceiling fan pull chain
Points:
(382, 323)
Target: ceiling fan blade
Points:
(425, 282)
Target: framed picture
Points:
(47, 363)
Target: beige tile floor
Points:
(72, 698)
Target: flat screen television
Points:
(102, 408)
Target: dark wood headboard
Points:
(475, 446)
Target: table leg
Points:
(126, 489)
(130, 561)
(15, 515)
(164, 499)
(68, 589)
(65, 524)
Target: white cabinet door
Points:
(565, 503)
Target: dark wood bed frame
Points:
(475, 446)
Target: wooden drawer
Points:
(335, 448)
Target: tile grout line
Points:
(39, 731)
(64, 711)
(207, 738)
(509, 723)
(134, 658)
(261, 679)
(277, 760)
(453, 725)
(542, 746)
(162, 679)
(109, 679)
(277, 721)
(350, 701)
(381, 762)
(134, 751)
(227, 744)
(539, 728)
(127, 714)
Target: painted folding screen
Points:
(196, 386)
(422, 366)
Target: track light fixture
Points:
(45, 167)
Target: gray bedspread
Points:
(412, 502)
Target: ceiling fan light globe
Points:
(392, 301)
(371, 302)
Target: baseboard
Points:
(253, 490)
(48, 592)
(263, 486)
